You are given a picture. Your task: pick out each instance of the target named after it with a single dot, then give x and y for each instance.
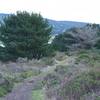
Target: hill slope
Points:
(2, 15)
(78, 38)
(58, 26)
(62, 26)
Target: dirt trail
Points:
(24, 90)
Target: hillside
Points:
(66, 69)
(62, 26)
(58, 26)
(2, 15)
(78, 38)
(62, 77)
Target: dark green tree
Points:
(25, 35)
(64, 41)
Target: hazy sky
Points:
(73, 10)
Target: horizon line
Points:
(77, 21)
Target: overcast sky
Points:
(71, 10)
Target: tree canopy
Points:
(24, 35)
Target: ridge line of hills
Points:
(58, 26)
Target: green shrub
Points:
(29, 73)
(48, 61)
(91, 57)
(98, 98)
(38, 95)
(60, 56)
(83, 57)
(61, 69)
(5, 88)
(51, 80)
(97, 45)
(81, 85)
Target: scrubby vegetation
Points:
(78, 80)
(85, 83)
(6, 85)
(66, 69)
(38, 95)
(78, 38)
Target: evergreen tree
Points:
(25, 35)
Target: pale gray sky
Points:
(73, 10)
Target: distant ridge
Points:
(58, 26)
(62, 26)
(2, 15)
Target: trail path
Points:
(23, 91)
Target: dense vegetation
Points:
(24, 35)
(72, 72)
(86, 37)
(6, 85)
